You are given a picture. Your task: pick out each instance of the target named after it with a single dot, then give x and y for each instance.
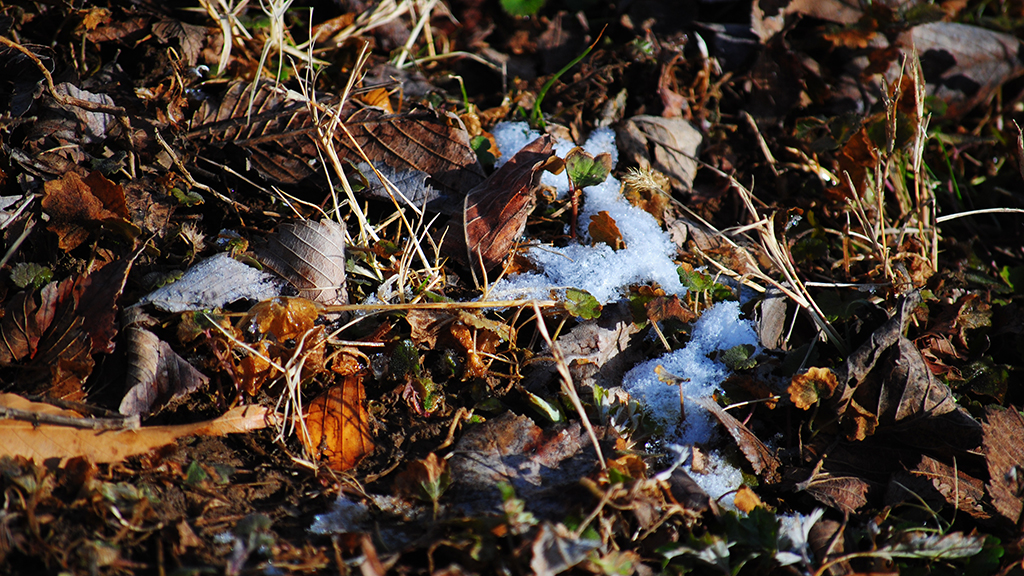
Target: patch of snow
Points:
(605, 273)
(719, 328)
(599, 270)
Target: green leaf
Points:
(585, 170)
(30, 274)
(482, 146)
(582, 304)
(522, 7)
(739, 357)
(186, 198)
(195, 475)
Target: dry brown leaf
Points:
(805, 390)
(42, 442)
(963, 65)
(539, 465)
(761, 459)
(746, 499)
(74, 202)
(155, 373)
(1004, 455)
(339, 426)
(670, 145)
(417, 151)
(310, 255)
(495, 212)
(602, 228)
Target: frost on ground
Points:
(605, 273)
(719, 328)
(599, 270)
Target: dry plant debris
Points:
(256, 257)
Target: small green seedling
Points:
(584, 170)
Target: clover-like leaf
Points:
(587, 170)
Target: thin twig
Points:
(37, 418)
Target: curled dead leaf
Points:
(805, 390)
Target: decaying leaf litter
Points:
(280, 294)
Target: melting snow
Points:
(605, 273)
(597, 269)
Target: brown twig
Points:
(37, 418)
(63, 99)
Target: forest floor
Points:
(463, 287)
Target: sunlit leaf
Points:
(582, 304)
(585, 170)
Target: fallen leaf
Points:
(215, 283)
(416, 149)
(73, 202)
(807, 389)
(887, 383)
(156, 374)
(746, 499)
(425, 479)
(338, 425)
(765, 463)
(669, 145)
(494, 214)
(1004, 456)
(602, 228)
(311, 256)
(963, 65)
(539, 465)
(555, 550)
(43, 441)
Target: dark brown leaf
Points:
(539, 465)
(963, 65)
(413, 150)
(494, 214)
(887, 380)
(761, 459)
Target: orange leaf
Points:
(805, 390)
(603, 229)
(338, 425)
(746, 499)
(42, 441)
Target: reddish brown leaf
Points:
(339, 426)
(662, 308)
(761, 459)
(495, 212)
(1004, 455)
(602, 228)
(97, 294)
(72, 202)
